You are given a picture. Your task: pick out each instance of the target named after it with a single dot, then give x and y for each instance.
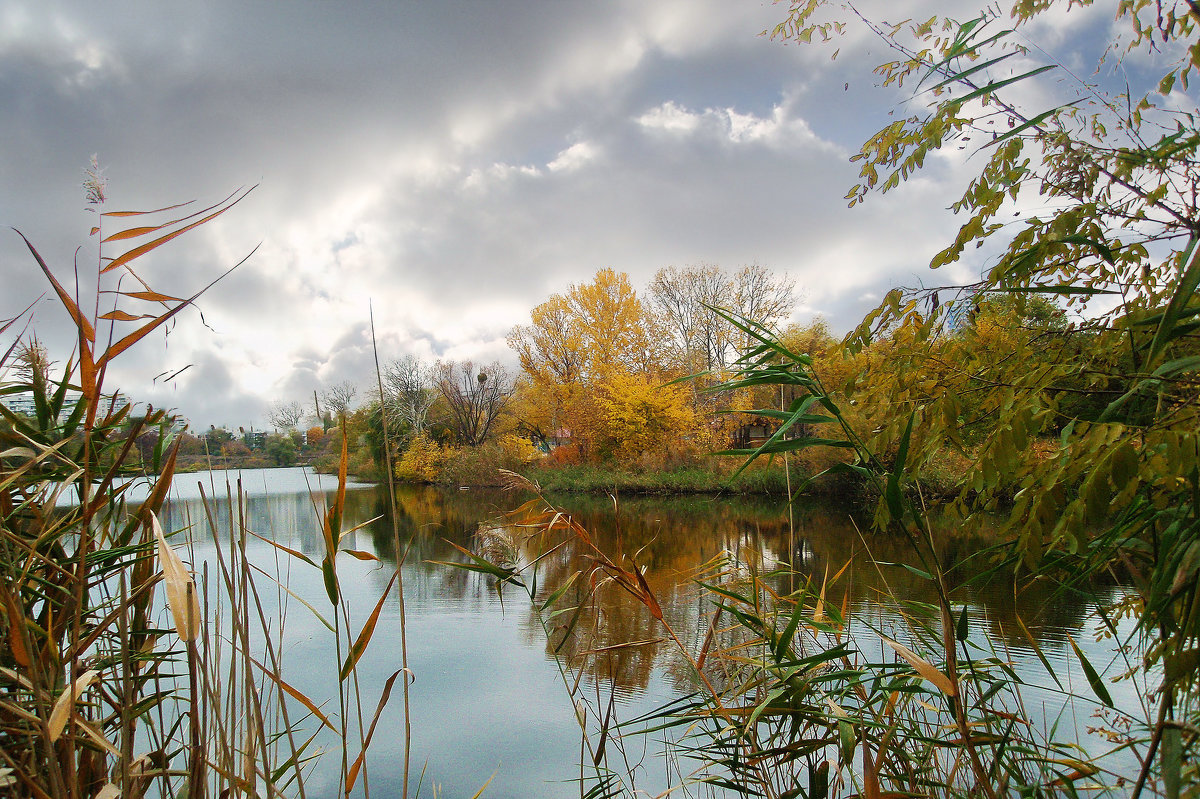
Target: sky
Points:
(444, 167)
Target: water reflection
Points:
(484, 662)
(670, 538)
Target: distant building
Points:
(24, 404)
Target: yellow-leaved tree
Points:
(576, 343)
(635, 416)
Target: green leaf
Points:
(1172, 761)
(1060, 289)
(1181, 667)
(924, 575)
(558, 592)
(1094, 680)
(481, 565)
(1031, 123)
(992, 87)
(331, 581)
(785, 638)
(1184, 292)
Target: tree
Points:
(218, 436)
(701, 338)
(337, 398)
(281, 449)
(594, 328)
(763, 297)
(315, 436)
(1117, 221)
(578, 340)
(474, 397)
(285, 415)
(410, 390)
(687, 299)
(636, 416)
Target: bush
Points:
(423, 461)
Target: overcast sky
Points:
(450, 162)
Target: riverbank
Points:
(698, 479)
(483, 467)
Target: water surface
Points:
(488, 699)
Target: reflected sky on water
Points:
(488, 698)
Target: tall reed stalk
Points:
(86, 668)
(98, 696)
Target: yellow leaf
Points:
(98, 738)
(181, 590)
(66, 703)
(926, 669)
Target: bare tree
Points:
(475, 397)
(410, 388)
(763, 296)
(337, 398)
(686, 297)
(285, 415)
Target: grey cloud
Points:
(418, 155)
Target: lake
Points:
(488, 700)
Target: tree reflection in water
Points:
(671, 539)
(453, 611)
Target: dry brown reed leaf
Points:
(708, 639)
(98, 737)
(614, 647)
(18, 452)
(181, 589)
(109, 791)
(249, 772)
(352, 777)
(66, 703)
(16, 627)
(836, 709)
(20, 679)
(926, 669)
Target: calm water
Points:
(488, 699)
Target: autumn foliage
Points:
(599, 361)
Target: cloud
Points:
(574, 157)
(670, 118)
(445, 165)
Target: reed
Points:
(100, 694)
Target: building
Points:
(22, 403)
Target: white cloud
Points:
(670, 117)
(728, 124)
(574, 157)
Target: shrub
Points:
(423, 461)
